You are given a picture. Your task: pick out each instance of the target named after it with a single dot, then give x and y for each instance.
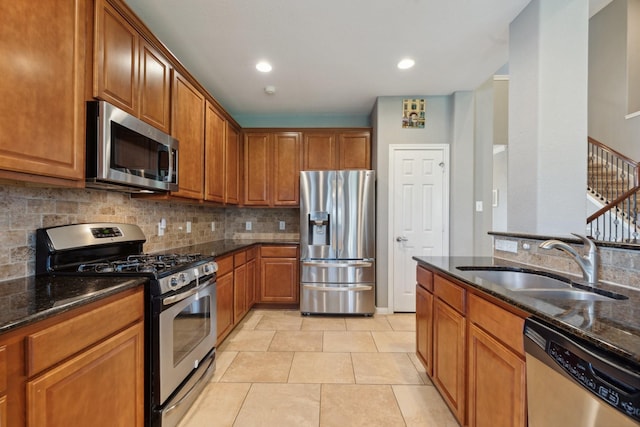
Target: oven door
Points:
(186, 334)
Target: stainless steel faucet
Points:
(588, 264)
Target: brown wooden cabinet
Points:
(55, 370)
(154, 88)
(272, 163)
(251, 276)
(330, 150)
(116, 58)
(424, 318)
(279, 281)
(449, 363)
(129, 72)
(42, 128)
(478, 363)
(187, 124)
(497, 387)
(224, 297)
(235, 289)
(232, 165)
(111, 373)
(222, 156)
(240, 307)
(215, 147)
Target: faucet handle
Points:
(587, 242)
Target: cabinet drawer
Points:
(503, 325)
(425, 278)
(252, 253)
(240, 258)
(44, 348)
(3, 370)
(450, 293)
(279, 251)
(225, 265)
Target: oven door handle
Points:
(179, 297)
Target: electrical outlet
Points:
(160, 229)
(248, 226)
(506, 246)
(188, 226)
(213, 226)
(479, 206)
(282, 225)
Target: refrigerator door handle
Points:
(336, 264)
(338, 289)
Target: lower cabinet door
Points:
(100, 387)
(449, 367)
(496, 383)
(424, 328)
(224, 304)
(279, 280)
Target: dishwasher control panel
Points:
(622, 396)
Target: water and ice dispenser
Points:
(319, 229)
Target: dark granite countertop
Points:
(611, 326)
(30, 299)
(223, 247)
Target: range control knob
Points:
(173, 282)
(210, 268)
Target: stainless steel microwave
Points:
(126, 154)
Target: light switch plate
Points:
(282, 225)
(248, 226)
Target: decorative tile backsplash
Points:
(26, 209)
(618, 266)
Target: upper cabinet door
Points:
(354, 150)
(233, 170)
(187, 125)
(116, 59)
(258, 157)
(155, 88)
(319, 152)
(215, 165)
(42, 112)
(286, 169)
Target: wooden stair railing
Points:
(614, 180)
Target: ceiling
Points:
(331, 56)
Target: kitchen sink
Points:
(540, 284)
(519, 279)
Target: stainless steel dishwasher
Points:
(572, 384)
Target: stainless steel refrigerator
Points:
(337, 242)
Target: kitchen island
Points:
(470, 333)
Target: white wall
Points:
(387, 125)
(548, 48)
(608, 81)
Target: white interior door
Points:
(419, 215)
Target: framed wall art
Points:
(413, 113)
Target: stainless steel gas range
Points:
(180, 313)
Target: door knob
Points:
(401, 239)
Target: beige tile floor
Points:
(280, 369)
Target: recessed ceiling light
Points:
(406, 63)
(263, 66)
